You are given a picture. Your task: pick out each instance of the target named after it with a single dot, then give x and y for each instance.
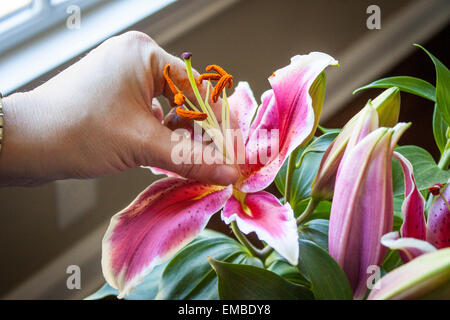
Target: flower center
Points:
(240, 196)
(203, 114)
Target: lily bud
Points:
(382, 111)
(426, 277)
(438, 228)
(387, 105)
(362, 207)
(357, 128)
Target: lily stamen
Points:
(178, 98)
(218, 69)
(208, 76)
(227, 79)
(222, 72)
(189, 114)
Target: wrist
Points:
(20, 161)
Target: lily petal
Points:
(410, 247)
(438, 231)
(161, 220)
(290, 111)
(426, 277)
(243, 105)
(272, 222)
(414, 204)
(158, 171)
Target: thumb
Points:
(163, 150)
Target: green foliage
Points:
(244, 282)
(442, 87)
(440, 129)
(411, 85)
(284, 269)
(315, 231)
(189, 275)
(391, 261)
(426, 171)
(328, 280)
(439, 94)
(307, 164)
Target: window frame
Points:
(41, 16)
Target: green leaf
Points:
(146, 290)
(442, 87)
(287, 271)
(328, 130)
(308, 160)
(322, 211)
(189, 275)
(398, 215)
(426, 171)
(244, 282)
(328, 280)
(315, 231)
(412, 85)
(439, 130)
(392, 260)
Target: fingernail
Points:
(225, 175)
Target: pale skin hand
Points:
(98, 117)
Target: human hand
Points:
(98, 117)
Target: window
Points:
(20, 20)
(35, 39)
(10, 8)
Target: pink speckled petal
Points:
(414, 204)
(289, 110)
(160, 221)
(410, 248)
(438, 230)
(243, 105)
(272, 222)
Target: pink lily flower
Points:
(418, 236)
(362, 207)
(173, 211)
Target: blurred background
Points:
(45, 229)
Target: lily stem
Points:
(289, 173)
(444, 162)
(244, 241)
(312, 205)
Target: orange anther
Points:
(208, 76)
(217, 69)
(189, 114)
(226, 79)
(178, 95)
